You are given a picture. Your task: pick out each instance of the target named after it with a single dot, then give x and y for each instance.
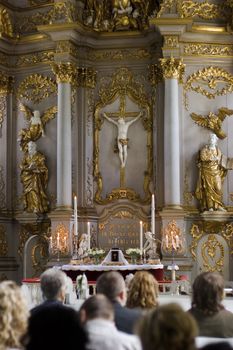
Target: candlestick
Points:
(153, 214)
(141, 237)
(75, 217)
(88, 236)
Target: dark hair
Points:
(56, 327)
(208, 289)
(222, 345)
(168, 327)
(98, 306)
(111, 284)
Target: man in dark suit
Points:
(112, 285)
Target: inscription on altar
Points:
(121, 229)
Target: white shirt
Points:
(103, 335)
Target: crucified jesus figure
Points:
(122, 140)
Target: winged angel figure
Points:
(36, 124)
(213, 121)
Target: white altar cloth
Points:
(129, 267)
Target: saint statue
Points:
(83, 246)
(34, 177)
(213, 166)
(122, 140)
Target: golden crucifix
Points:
(122, 126)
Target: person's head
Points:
(168, 327)
(31, 147)
(97, 306)
(53, 284)
(13, 315)
(36, 114)
(143, 291)
(208, 291)
(121, 121)
(112, 285)
(56, 327)
(213, 139)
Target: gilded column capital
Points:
(6, 84)
(172, 68)
(86, 77)
(65, 72)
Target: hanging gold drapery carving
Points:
(123, 85)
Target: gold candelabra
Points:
(58, 242)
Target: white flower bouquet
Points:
(133, 252)
(96, 253)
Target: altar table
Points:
(94, 271)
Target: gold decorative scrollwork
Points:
(218, 81)
(64, 11)
(65, 72)
(2, 187)
(171, 41)
(65, 46)
(36, 87)
(167, 6)
(227, 233)
(197, 234)
(187, 195)
(2, 109)
(172, 68)
(208, 50)
(204, 10)
(6, 84)
(122, 214)
(36, 58)
(155, 74)
(39, 255)
(40, 2)
(209, 252)
(119, 55)
(6, 27)
(86, 77)
(123, 84)
(3, 241)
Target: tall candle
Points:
(153, 214)
(75, 217)
(141, 238)
(88, 235)
(177, 241)
(58, 241)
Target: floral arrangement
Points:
(95, 252)
(133, 251)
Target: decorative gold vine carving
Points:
(227, 233)
(209, 251)
(218, 81)
(2, 189)
(36, 58)
(86, 77)
(6, 27)
(123, 84)
(6, 84)
(155, 74)
(3, 241)
(36, 88)
(119, 55)
(2, 109)
(187, 195)
(208, 50)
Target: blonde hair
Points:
(13, 315)
(168, 327)
(143, 291)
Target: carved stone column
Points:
(65, 75)
(172, 70)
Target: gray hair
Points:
(52, 282)
(111, 284)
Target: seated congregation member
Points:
(13, 316)
(112, 285)
(53, 285)
(56, 328)
(168, 327)
(97, 314)
(143, 291)
(211, 316)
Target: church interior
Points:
(116, 131)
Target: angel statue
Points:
(36, 124)
(150, 246)
(213, 121)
